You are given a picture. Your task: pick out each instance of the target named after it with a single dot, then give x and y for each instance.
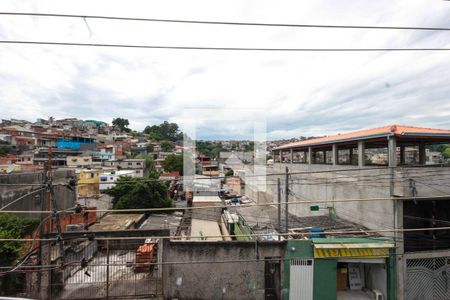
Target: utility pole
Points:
(279, 205)
(48, 181)
(44, 246)
(286, 196)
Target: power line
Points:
(341, 176)
(166, 47)
(203, 237)
(22, 197)
(226, 22)
(242, 205)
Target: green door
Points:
(325, 279)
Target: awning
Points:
(360, 250)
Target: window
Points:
(328, 157)
(318, 157)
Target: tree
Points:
(210, 148)
(446, 153)
(5, 149)
(13, 227)
(167, 146)
(173, 162)
(146, 192)
(230, 172)
(121, 123)
(164, 131)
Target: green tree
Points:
(167, 146)
(147, 192)
(446, 153)
(121, 123)
(230, 172)
(164, 131)
(13, 227)
(209, 148)
(173, 162)
(5, 149)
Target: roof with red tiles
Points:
(391, 130)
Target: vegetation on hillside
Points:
(164, 131)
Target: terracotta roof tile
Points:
(397, 130)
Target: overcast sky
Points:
(298, 93)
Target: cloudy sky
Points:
(297, 93)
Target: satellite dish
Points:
(10, 168)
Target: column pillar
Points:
(361, 152)
(422, 157)
(310, 155)
(292, 156)
(351, 155)
(334, 155)
(402, 155)
(392, 151)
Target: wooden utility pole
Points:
(48, 181)
(46, 221)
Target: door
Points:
(301, 279)
(272, 284)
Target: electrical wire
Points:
(22, 197)
(226, 22)
(202, 237)
(245, 205)
(167, 47)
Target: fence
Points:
(428, 278)
(108, 273)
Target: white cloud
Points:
(301, 93)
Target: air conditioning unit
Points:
(377, 295)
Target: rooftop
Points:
(385, 131)
(117, 222)
(163, 221)
(263, 219)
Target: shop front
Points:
(340, 268)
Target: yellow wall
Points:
(88, 183)
(211, 173)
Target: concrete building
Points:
(108, 179)
(342, 167)
(59, 156)
(75, 143)
(137, 165)
(66, 198)
(104, 152)
(88, 183)
(78, 161)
